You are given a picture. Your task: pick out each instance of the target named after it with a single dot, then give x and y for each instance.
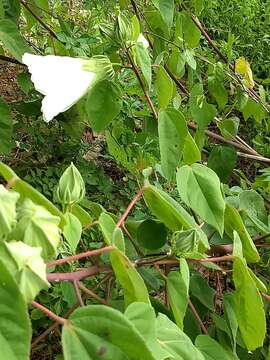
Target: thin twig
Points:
(49, 313)
(145, 91)
(254, 157)
(92, 294)
(78, 293)
(197, 316)
(66, 315)
(130, 207)
(89, 253)
(42, 23)
(11, 60)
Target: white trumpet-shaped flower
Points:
(64, 80)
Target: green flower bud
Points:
(124, 31)
(71, 188)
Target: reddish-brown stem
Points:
(197, 316)
(130, 207)
(77, 275)
(49, 313)
(80, 256)
(78, 293)
(267, 297)
(74, 307)
(92, 294)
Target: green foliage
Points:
(6, 128)
(12, 39)
(143, 216)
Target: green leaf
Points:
(216, 85)
(130, 280)
(202, 291)
(37, 227)
(119, 152)
(199, 188)
(82, 215)
(72, 230)
(6, 128)
(26, 265)
(104, 102)
(12, 9)
(12, 39)
(118, 240)
(144, 61)
(109, 335)
(8, 202)
(222, 160)
(202, 112)
(164, 87)
(191, 152)
(167, 210)
(107, 226)
(170, 212)
(191, 33)
(24, 82)
(172, 130)
(190, 59)
(247, 298)
(27, 191)
(253, 204)
(178, 288)
(166, 9)
(15, 327)
(151, 234)
(198, 6)
(176, 62)
(230, 316)
(233, 221)
(175, 341)
(229, 127)
(143, 317)
(211, 349)
(253, 110)
(39, 7)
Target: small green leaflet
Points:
(178, 289)
(37, 227)
(104, 103)
(172, 130)
(12, 39)
(15, 326)
(6, 128)
(8, 202)
(144, 61)
(199, 188)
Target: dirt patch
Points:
(9, 89)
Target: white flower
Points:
(63, 80)
(142, 40)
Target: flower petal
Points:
(61, 79)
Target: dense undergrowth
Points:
(152, 238)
